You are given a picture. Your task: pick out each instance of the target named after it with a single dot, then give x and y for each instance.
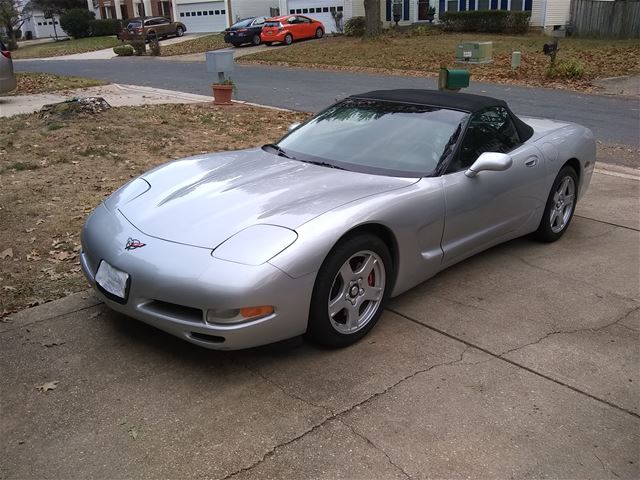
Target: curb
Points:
(617, 171)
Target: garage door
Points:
(203, 17)
(319, 10)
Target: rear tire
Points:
(561, 204)
(350, 292)
(288, 39)
(255, 40)
(319, 33)
(179, 32)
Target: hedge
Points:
(110, 26)
(488, 21)
(355, 27)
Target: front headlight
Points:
(255, 245)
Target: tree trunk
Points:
(373, 23)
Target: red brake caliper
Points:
(371, 280)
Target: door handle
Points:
(531, 162)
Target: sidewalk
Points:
(115, 94)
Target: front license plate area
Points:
(112, 282)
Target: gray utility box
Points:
(220, 61)
(474, 52)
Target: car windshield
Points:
(134, 24)
(272, 24)
(243, 23)
(376, 137)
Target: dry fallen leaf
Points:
(45, 387)
(95, 315)
(7, 253)
(133, 433)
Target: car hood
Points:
(203, 200)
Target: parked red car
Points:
(288, 28)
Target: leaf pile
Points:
(30, 83)
(197, 45)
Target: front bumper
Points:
(173, 285)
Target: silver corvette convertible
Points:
(312, 235)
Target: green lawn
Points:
(404, 53)
(197, 45)
(65, 47)
(30, 83)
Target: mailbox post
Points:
(454, 80)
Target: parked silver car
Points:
(313, 234)
(7, 77)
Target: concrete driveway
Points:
(519, 363)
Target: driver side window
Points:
(491, 130)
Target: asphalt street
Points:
(613, 119)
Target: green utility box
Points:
(451, 79)
(474, 52)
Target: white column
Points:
(118, 9)
(174, 9)
(284, 7)
(147, 8)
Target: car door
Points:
(308, 29)
(493, 206)
(164, 26)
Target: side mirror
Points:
(489, 161)
(293, 126)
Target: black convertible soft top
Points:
(465, 102)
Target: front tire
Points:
(179, 32)
(350, 292)
(288, 39)
(560, 206)
(319, 32)
(255, 40)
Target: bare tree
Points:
(373, 22)
(13, 13)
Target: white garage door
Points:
(319, 10)
(203, 17)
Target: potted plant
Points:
(222, 92)
(431, 13)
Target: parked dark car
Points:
(152, 27)
(243, 31)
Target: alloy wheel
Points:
(564, 200)
(357, 292)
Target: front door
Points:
(423, 9)
(491, 207)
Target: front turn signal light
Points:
(253, 312)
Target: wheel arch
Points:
(575, 164)
(381, 231)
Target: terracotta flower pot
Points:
(222, 94)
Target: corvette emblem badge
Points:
(133, 243)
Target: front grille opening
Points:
(179, 312)
(206, 338)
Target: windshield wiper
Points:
(278, 150)
(323, 164)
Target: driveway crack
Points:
(335, 415)
(570, 332)
(376, 447)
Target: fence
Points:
(597, 18)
